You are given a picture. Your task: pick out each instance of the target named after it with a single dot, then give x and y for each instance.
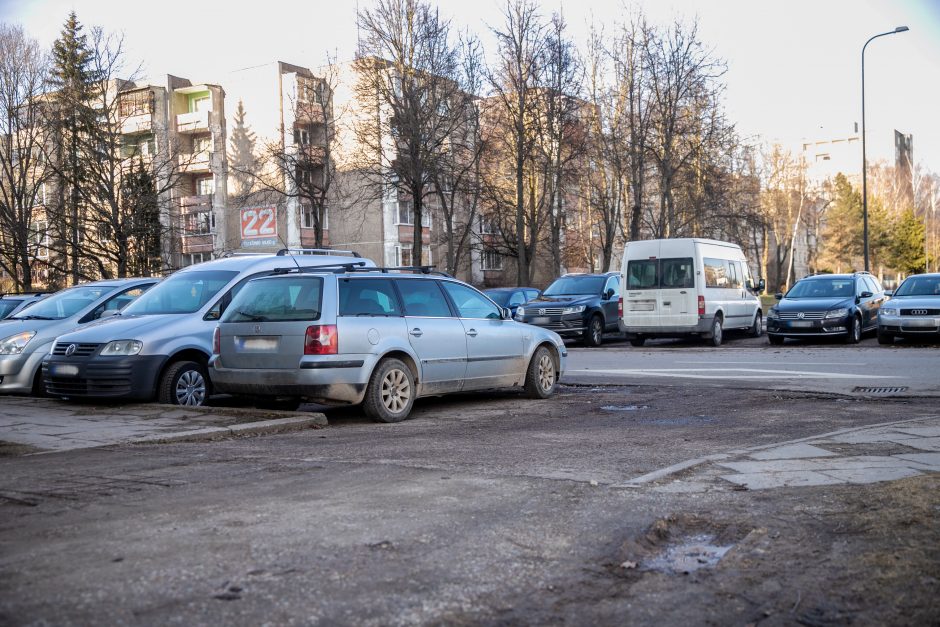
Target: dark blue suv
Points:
(577, 305)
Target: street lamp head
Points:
(901, 29)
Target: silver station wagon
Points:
(376, 337)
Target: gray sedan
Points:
(913, 311)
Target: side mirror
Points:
(778, 295)
(506, 312)
(889, 293)
(865, 295)
(761, 285)
(108, 313)
(609, 294)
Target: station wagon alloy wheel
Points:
(390, 394)
(540, 377)
(546, 372)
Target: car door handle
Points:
(417, 332)
(472, 332)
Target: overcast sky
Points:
(794, 66)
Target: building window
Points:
(204, 186)
(309, 91)
(403, 255)
(488, 226)
(40, 237)
(406, 214)
(135, 103)
(202, 145)
(492, 260)
(307, 217)
(198, 223)
(302, 136)
(201, 103)
(194, 258)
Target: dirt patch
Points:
(12, 449)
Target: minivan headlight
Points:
(14, 344)
(122, 347)
(841, 312)
(572, 310)
(888, 311)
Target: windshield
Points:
(64, 304)
(919, 286)
(823, 288)
(181, 293)
(500, 298)
(6, 306)
(571, 285)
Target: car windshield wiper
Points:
(252, 317)
(34, 318)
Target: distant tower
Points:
(904, 165)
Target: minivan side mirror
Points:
(506, 313)
(778, 295)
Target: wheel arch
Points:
(187, 354)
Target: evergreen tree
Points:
(842, 234)
(141, 212)
(907, 243)
(73, 81)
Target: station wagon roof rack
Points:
(232, 253)
(352, 266)
(316, 251)
(413, 269)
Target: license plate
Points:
(801, 323)
(256, 344)
(64, 370)
(924, 322)
(541, 320)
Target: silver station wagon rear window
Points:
(277, 300)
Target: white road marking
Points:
(723, 373)
(789, 363)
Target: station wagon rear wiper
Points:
(252, 317)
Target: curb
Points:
(264, 427)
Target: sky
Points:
(794, 66)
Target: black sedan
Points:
(827, 305)
(512, 297)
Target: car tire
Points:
(39, 386)
(594, 333)
(757, 329)
(853, 334)
(541, 377)
(390, 394)
(638, 341)
(286, 403)
(775, 340)
(716, 332)
(184, 383)
(885, 339)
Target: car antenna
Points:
(287, 250)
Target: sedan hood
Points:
(127, 328)
(814, 304)
(561, 301)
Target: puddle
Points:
(695, 553)
(624, 407)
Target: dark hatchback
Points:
(827, 305)
(577, 305)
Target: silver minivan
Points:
(377, 338)
(159, 347)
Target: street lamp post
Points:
(899, 29)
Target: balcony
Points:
(137, 124)
(193, 122)
(199, 202)
(309, 113)
(309, 154)
(195, 163)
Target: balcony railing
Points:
(136, 124)
(310, 153)
(199, 202)
(193, 122)
(309, 113)
(197, 162)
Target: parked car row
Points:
(326, 326)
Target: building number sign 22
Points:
(261, 222)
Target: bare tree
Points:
(408, 72)
(23, 171)
(515, 82)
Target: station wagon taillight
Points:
(701, 305)
(620, 307)
(321, 339)
(216, 342)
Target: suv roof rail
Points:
(232, 253)
(29, 293)
(337, 267)
(317, 251)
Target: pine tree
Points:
(842, 235)
(907, 243)
(73, 80)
